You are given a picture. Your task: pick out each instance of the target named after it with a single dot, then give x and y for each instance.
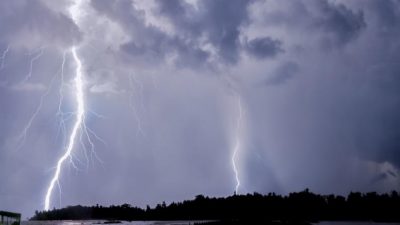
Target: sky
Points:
(306, 91)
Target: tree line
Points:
(299, 206)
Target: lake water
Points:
(355, 223)
(97, 222)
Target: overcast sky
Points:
(318, 83)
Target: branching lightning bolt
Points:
(60, 113)
(22, 137)
(79, 124)
(33, 59)
(3, 57)
(80, 114)
(237, 146)
(132, 83)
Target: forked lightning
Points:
(80, 111)
(237, 145)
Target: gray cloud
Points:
(383, 176)
(39, 25)
(149, 41)
(218, 22)
(209, 23)
(264, 47)
(283, 74)
(340, 21)
(330, 23)
(387, 12)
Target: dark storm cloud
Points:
(379, 178)
(262, 176)
(383, 176)
(179, 12)
(343, 23)
(374, 127)
(264, 47)
(380, 134)
(149, 41)
(388, 14)
(284, 73)
(31, 22)
(379, 141)
(391, 173)
(218, 21)
(335, 23)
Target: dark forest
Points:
(300, 206)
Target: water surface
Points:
(354, 223)
(99, 222)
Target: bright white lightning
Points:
(237, 146)
(80, 114)
(79, 127)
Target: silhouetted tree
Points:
(300, 206)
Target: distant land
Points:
(296, 208)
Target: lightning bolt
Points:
(22, 137)
(3, 57)
(80, 114)
(132, 83)
(237, 145)
(60, 113)
(79, 124)
(33, 59)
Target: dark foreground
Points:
(237, 222)
(89, 222)
(296, 208)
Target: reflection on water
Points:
(99, 222)
(355, 223)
